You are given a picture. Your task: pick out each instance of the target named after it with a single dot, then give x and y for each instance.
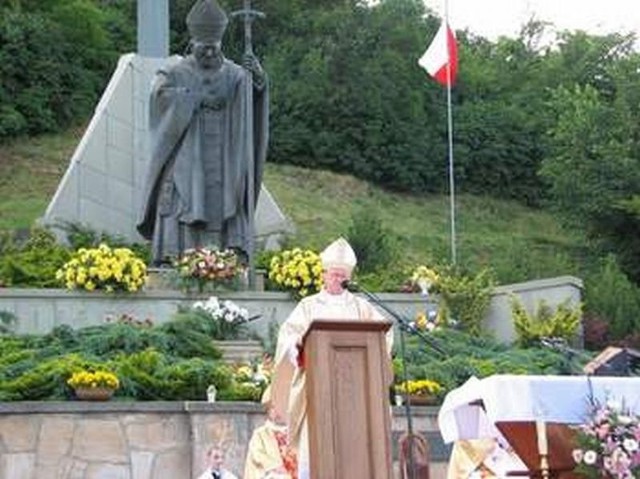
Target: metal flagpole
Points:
(452, 194)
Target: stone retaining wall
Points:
(39, 310)
(146, 440)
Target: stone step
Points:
(240, 351)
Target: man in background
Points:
(214, 470)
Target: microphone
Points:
(403, 323)
(349, 285)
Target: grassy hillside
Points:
(517, 242)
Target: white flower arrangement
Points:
(226, 310)
(609, 443)
(229, 319)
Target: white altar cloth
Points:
(561, 399)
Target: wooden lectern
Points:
(349, 418)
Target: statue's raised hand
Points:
(251, 63)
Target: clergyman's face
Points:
(208, 55)
(333, 278)
(215, 459)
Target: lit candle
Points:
(541, 431)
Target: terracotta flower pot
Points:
(94, 394)
(422, 400)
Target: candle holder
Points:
(543, 448)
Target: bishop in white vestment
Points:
(334, 302)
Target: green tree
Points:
(56, 58)
(593, 171)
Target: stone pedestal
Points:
(239, 351)
(166, 279)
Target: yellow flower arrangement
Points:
(103, 268)
(251, 379)
(297, 270)
(424, 277)
(92, 380)
(419, 387)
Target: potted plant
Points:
(420, 392)
(227, 323)
(208, 269)
(297, 271)
(103, 268)
(94, 385)
(226, 319)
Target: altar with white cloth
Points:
(518, 405)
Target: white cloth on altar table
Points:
(561, 399)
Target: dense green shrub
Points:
(463, 299)
(79, 235)
(34, 263)
(37, 377)
(151, 375)
(371, 240)
(612, 297)
(545, 322)
(37, 367)
(477, 355)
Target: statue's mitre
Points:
(206, 21)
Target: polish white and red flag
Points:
(441, 56)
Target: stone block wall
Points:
(146, 440)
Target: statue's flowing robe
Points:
(288, 389)
(203, 176)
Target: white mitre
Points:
(338, 254)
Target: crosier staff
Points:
(248, 15)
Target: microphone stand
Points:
(568, 353)
(405, 326)
(403, 323)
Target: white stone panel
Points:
(121, 107)
(93, 185)
(121, 197)
(91, 210)
(121, 166)
(93, 151)
(64, 204)
(120, 135)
